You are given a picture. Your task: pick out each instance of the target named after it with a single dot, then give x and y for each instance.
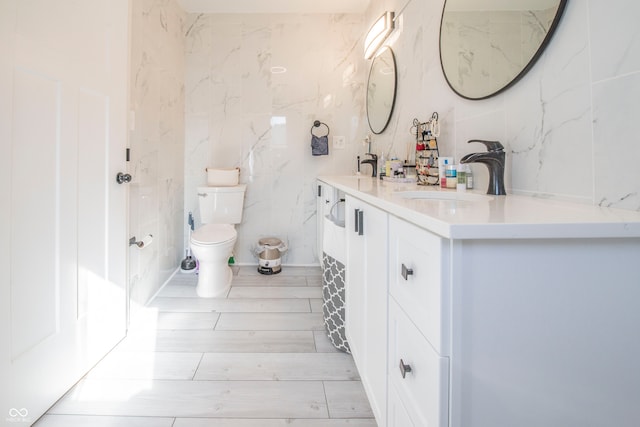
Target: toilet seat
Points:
(214, 234)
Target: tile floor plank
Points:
(179, 290)
(153, 319)
(314, 280)
(98, 421)
(267, 281)
(270, 322)
(276, 292)
(147, 365)
(227, 399)
(223, 305)
(347, 399)
(277, 366)
(226, 422)
(323, 344)
(250, 270)
(316, 305)
(197, 341)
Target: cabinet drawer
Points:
(424, 389)
(418, 277)
(398, 414)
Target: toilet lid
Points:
(211, 234)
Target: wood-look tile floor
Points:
(257, 358)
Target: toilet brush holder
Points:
(188, 265)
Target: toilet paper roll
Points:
(146, 241)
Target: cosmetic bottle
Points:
(461, 178)
(451, 175)
(442, 164)
(469, 177)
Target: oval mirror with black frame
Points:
(488, 45)
(381, 90)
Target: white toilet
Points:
(212, 243)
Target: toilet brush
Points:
(188, 264)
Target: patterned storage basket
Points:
(334, 253)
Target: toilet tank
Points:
(221, 205)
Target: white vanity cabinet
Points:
(366, 299)
(512, 332)
(507, 311)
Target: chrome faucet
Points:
(373, 161)
(494, 159)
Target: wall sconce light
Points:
(377, 34)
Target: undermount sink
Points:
(444, 195)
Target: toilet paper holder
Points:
(141, 243)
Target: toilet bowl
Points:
(220, 207)
(212, 245)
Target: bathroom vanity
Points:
(468, 310)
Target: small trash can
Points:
(269, 251)
(333, 278)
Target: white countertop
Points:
(500, 217)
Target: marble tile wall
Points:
(568, 126)
(157, 144)
(241, 113)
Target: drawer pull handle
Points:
(404, 368)
(406, 272)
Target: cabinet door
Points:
(398, 415)
(367, 293)
(355, 281)
(417, 372)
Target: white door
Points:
(63, 242)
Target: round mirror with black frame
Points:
(381, 90)
(488, 45)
